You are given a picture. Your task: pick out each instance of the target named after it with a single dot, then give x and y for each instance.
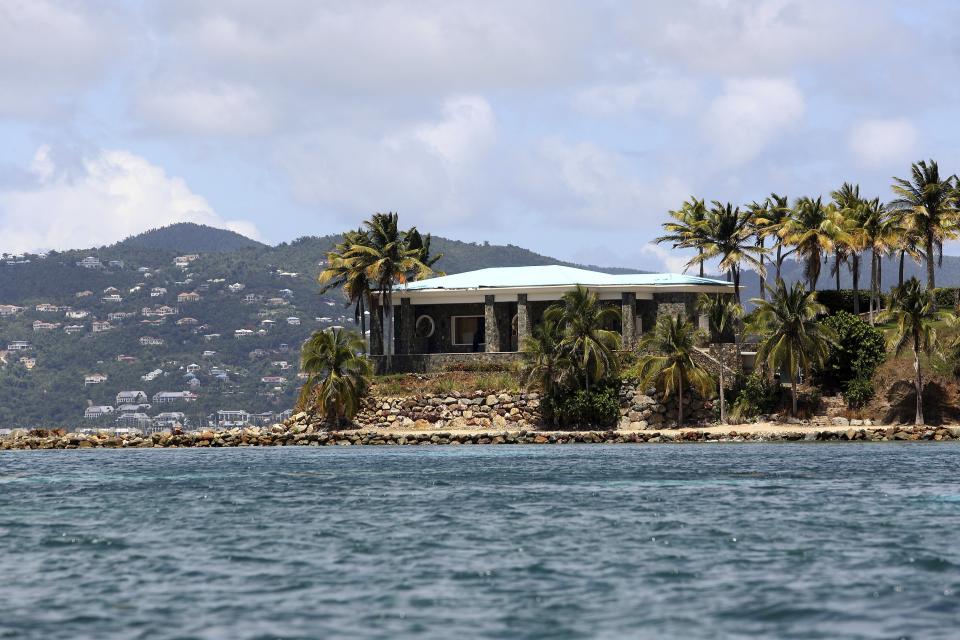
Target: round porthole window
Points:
(424, 327)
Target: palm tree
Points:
(338, 375)
(545, 363)
(778, 214)
(879, 234)
(722, 314)
(930, 205)
(585, 337)
(668, 362)
(852, 210)
(912, 309)
(759, 222)
(390, 261)
(792, 339)
(728, 236)
(687, 230)
(347, 270)
(813, 230)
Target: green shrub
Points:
(860, 349)
(946, 297)
(757, 394)
(599, 407)
(837, 301)
(858, 392)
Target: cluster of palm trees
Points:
(573, 348)
(369, 262)
(849, 229)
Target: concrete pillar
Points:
(406, 326)
(491, 327)
(628, 312)
(524, 323)
(376, 329)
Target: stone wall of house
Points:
(438, 362)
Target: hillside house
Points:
(273, 380)
(40, 325)
(169, 420)
(152, 375)
(94, 378)
(131, 397)
(208, 354)
(134, 420)
(184, 261)
(158, 292)
(166, 397)
(77, 314)
(19, 345)
(99, 326)
(151, 341)
(188, 297)
(90, 262)
(277, 302)
(242, 333)
(46, 307)
(293, 321)
(73, 329)
(236, 287)
(84, 294)
(286, 293)
(252, 298)
(110, 290)
(7, 310)
(193, 368)
(227, 419)
(118, 316)
(126, 359)
(115, 264)
(182, 322)
(92, 413)
(28, 362)
(267, 323)
(113, 297)
(143, 269)
(211, 336)
(492, 311)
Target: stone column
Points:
(524, 324)
(406, 326)
(491, 327)
(376, 329)
(628, 311)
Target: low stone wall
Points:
(300, 435)
(455, 411)
(437, 362)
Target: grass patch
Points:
(446, 383)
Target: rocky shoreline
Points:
(304, 435)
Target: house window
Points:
(468, 330)
(424, 327)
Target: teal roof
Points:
(552, 275)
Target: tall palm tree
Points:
(880, 233)
(667, 361)
(390, 261)
(686, 230)
(586, 338)
(759, 222)
(722, 314)
(930, 205)
(852, 212)
(348, 270)
(912, 309)
(338, 375)
(792, 339)
(813, 230)
(728, 236)
(778, 214)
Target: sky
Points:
(570, 128)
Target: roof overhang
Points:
(550, 293)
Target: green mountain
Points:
(188, 237)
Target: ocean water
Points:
(592, 541)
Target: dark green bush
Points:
(946, 297)
(860, 349)
(858, 392)
(600, 407)
(836, 301)
(757, 394)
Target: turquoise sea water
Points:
(592, 541)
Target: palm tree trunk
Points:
(763, 280)
(900, 280)
(855, 273)
(779, 260)
(388, 327)
(793, 384)
(736, 283)
(873, 284)
(700, 253)
(723, 405)
(918, 420)
(680, 403)
(836, 267)
(930, 275)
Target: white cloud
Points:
(879, 143)
(114, 195)
(50, 52)
(435, 170)
(663, 92)
(217, 109)
(671, 259)
(743, 120)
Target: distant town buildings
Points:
(151, 341)
(90, 262)
(166, 397)
(92, 413)
(72, 329)
(94, 378)
(99, 326)
(188, 297)
(7, 310)
(131, 397)
(40, 325)
(18, 345)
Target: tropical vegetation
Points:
(338, 375)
